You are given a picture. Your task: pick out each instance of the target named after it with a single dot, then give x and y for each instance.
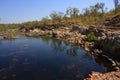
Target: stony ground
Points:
(106, 76)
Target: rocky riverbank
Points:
(107, 41)
(97, 40)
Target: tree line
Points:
(94, 14)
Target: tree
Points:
(87, 13)
(102, 5)
(116, 3)
(72, 12)
(57, 16)
(75, 12)
(45, 20)
(69, 11)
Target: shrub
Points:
(9, 35)
(91, 37)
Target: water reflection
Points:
(57, 46)
(72, 51)
(60, 46)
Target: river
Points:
(28, 58)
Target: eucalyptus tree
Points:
(116, 3)
(72, 12)
(102, 5)
(75, 12)
(57, 16)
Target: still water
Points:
(44, 59)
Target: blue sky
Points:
(18, 11)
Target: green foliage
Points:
(5, 27)
(72, 12)
(11, 33)
(56, 16)
(94, 14)
(91, 37)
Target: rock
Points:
(54, 34)
(112, 46)
(109, 42)
(116, 68)
(87, 49)
(92, 29)
(106, 76)
(79, 29)
(97, 51)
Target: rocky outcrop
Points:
(46, 26)
(114, 21)
(106, 76)
(109, 42)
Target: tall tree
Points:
(116, 3)
(57, 16)
(102, 5)
(69, 11)
(75, 12)
(72, 12)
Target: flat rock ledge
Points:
(107, 76)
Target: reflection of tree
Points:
(72, 51)
(46, 40)
(88, 56)
(58, 46)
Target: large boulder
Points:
(110, 45)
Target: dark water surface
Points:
(44, 59)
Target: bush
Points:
(9, 35)
(91, 37)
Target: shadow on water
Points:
(44, 59)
